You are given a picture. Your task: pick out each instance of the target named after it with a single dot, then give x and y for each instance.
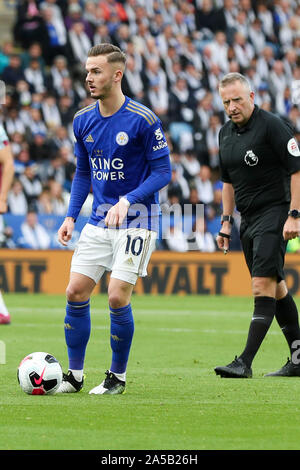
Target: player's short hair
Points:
(234, 77)
(113, 53)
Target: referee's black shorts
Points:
(262, 241)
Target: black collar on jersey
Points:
(247, 126)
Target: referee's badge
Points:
(250, 158)
(293, 148)
(122, 138)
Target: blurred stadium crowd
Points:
(177, 52)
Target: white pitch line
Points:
(136, 311)
(163, 330)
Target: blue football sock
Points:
(77, 332)
(121, 334)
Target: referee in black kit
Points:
(260, 170)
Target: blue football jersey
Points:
(117, 150)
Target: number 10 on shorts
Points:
(134, 245)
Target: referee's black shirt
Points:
(258, 160)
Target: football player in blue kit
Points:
(122, 152)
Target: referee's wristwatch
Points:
(227, 218)
(294, 213)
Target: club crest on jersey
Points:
(250, 158)
(122, 138)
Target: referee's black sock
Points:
(264, 311)
(287, 317)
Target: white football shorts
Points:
(3, 137)
(124, 252)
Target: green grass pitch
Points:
(173, 399)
